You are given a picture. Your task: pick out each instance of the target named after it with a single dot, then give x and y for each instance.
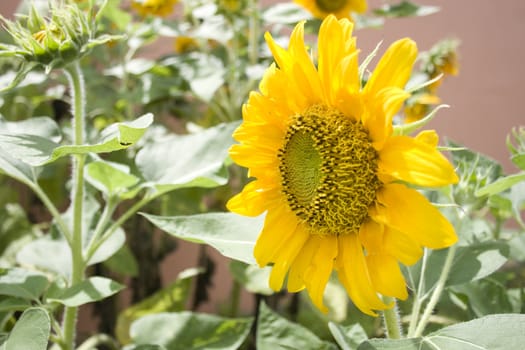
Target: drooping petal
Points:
(408, 211)
(296, 276)
(354, 275)
(386, 275)
(279, 227)
(286, 255)
(416, 162)
(320, 269)
(371, 236)
(394, 68)
(402, 247)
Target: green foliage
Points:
(31, 332)
(76, 165)
(231, 234)
(275, 332)
(495, 332)
(190, 331)
(88, 291)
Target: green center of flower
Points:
(329, 171)
(330, 5)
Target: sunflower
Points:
(339, 8)
(332, 176)
(161, 8)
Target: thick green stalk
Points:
(391, 318)
(76, 82)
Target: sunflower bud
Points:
(66, 34)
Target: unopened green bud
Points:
(66, 34)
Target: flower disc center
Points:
(328, 170)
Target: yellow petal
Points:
(378, 119)
(302, 261)
(386, 275)
(279, 227)
(430, 137)
(337, 62)
(353, 274)
(415, 162)
(251, 156)
(286, 255)
(371, 236)
(320, 269)
(408, 211)
(394, 68)
(401, 247)
(253, 200)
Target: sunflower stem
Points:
(76, 82)
(437, 292)
(418, 299)
(391, 318)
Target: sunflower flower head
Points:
(339, 8)
(161, 8)
(331, 174)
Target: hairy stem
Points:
(391, 318)
(76, 82)
(440, 285)
(418, 299)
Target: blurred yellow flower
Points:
(160, 8)
(330, 174)
(339, 8)
(419, 106)
(185, 44)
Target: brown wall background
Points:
(486, 98)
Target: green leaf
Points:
(88, 291)
(191, 331)
(22, 283)
(232, 235)
(123, 262)
(485, 297)
(172, 298)
(348, 337)
(471, 263)
(252, 277)
(393, 344)
(494, 332)
(31, 331)
(144, 347)
(110, 178)
(115, 137)
(275, 332)
(36, 150)
(17, 169)
(501, 184)
(194, 160)
(40, 126)
(13, 304)
(405, 9)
